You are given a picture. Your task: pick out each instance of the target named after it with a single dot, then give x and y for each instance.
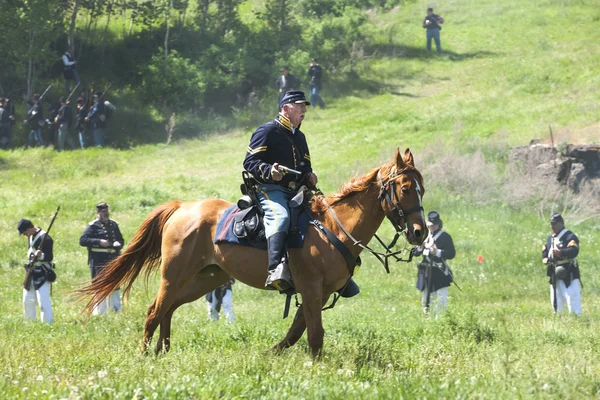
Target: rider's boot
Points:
(350, 290)
(278, 274)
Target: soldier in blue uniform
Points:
(42, 275)
(434, 275)
(559, 254)
(280, 142)
(104, 241)
(221, 298)
(35, 120)
(97, 117)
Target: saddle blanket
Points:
(225, 234)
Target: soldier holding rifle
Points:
(64, 119)
(39, 271)
(434, 276)
(35, 119)
(97, 118)
(559, 254)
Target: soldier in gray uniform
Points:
(104, 241)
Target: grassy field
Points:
(501, 81)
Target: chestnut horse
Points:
(179, 237)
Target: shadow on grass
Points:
(421, 53)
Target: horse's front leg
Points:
(294, 334)
(312, 301)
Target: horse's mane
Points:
(359, 184)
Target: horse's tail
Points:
(144, 249)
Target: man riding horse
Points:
(276, 144)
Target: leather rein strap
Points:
(388, 194)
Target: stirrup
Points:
(280, 278)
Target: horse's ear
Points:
(399, 160)
(408, 158)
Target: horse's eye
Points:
(405, 190)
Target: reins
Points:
(388, 194)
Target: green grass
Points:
(501, 82)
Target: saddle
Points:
(248, 222)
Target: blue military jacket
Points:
(275, 142)
(96, 231)
(40, 273)
(568, 244)
(441, 275)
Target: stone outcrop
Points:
(572, 166)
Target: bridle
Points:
(396, 215)
(387, 193)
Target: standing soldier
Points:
(4, 125)
(97, 118)
(315, 72)
(286, 82)
(35, 120)
(221, 297)
(69, 69)
(434, 275)
(64, 119)
(80, 125)
(559, 254)
(42, 275)
(104, 241)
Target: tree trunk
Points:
(168, 14)
(72, 25)
(109, 14)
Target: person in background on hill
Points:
(52, 132)
(41, 276)
(35, 120)
(64, 119)
(286, 82)
(434, 275)
(219, 298)
(69, 69)
(104, 241)
(559, 254)
(315, 73)
(4, 124)
(80, 125)
(432, 23)
(97, 118)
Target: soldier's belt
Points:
(39, 263)
(563, 262)
(96, 250)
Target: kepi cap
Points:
(23, 225)
(102, 206)
(294, 96)
(433, 218)
(556, 217)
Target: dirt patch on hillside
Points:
(586, 135)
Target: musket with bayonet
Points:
(30, 267)
(66, 103)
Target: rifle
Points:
(45, 91)
(428, 298)
(552, 264)
(552, 139)
(29, 267)
(66, 102)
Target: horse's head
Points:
(401, 194)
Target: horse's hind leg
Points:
(294, 334)
(203, 282)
